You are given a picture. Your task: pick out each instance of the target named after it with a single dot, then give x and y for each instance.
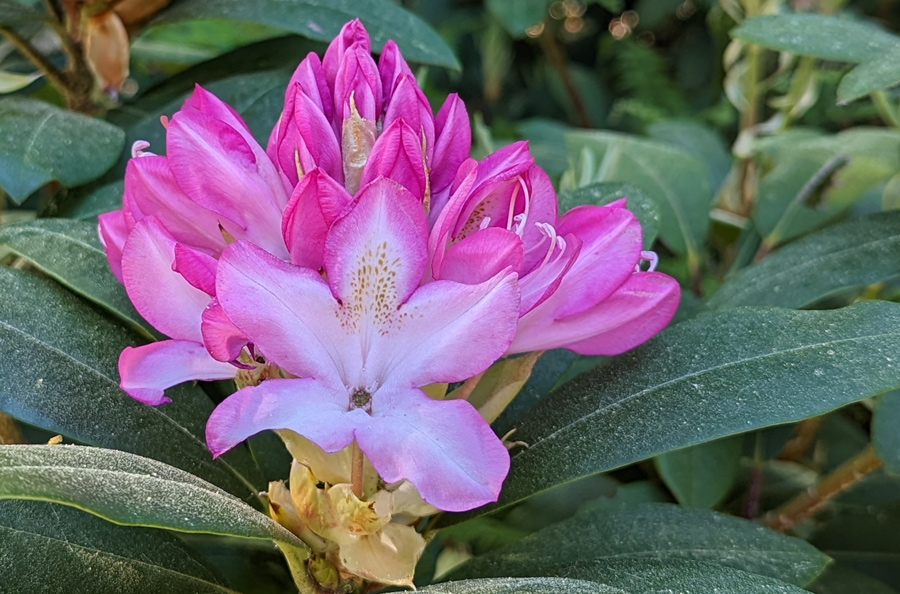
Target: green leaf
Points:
(40, 143)
(702, 475)
(879, 73)
(699, 140)
(14, 81)
(817, 35)
(59, 361)
(14, 13)
(652, 531)
(96, 199)
(709, 377)
(91, 556)
(605, 192)
(132, 491)
(521, 586)
(70, 252)
(885, 434)
(851, 254)
(518, 16)
(837, 579)
(641, 576)
(671, 177)
(546, 143)
(322, 20)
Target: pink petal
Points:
(382, 241)
(113, 231)
(147, 371)
(358, 76)
(447, 219)
(221, 337)
(611, 239)
(541, 208)
(410, 105)
(391, 66)
(162, 296)
(197, 268)
(447, 332)
(217, 167)
(306, 140)
(453, 143)
(397, 155)
(151, 190)
(205, 102)
(481, 256)
(315, 205)
(352, 33)
(504, 164)
(444, 448)
(315, 410)
(310, 78)
(538, 285)
(638, 309)
(287, 311)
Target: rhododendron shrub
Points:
(357, 308)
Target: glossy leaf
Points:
(131, 490)
(640, 576)
(517, 17)
(521, 586)
(60, 367)
(646, 532)
(70, 252)
(879, 73)
(66, 550)
(40, 143)
(323, 19)
(851, 254)
(699, 140)
(604, 192)
(671, 177)
(715, 375)
(817, 35)
(702, 475)
(838, 579)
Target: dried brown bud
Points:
(106, 50)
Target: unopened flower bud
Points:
(106, 50)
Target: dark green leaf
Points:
(522, 586)
(14, 13)
(851, 254)
(879, 73)
(59, 362)
(53, 548)
(546, 143)
(817, 35)
(518, 16)
(70, 252)
(605, 192)
(886, 431)
(322, 20)
(671, 177)
(131, 490)
(702, 475)
(642, 576)
(41, 143)
(699, 140)
(546, 373)
(96, 199)
(652, 531)
(715, 375)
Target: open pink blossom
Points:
(178, 214)
(362, 343)
(582, 286)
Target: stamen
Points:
(164, 120)
(527, 210)
(137, 149)
(512, 208)
(520, 223)
(485, 223)
(651, 258)
(548, 231)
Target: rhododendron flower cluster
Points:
(357, 259)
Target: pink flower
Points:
(178, 214)
(582, 287)
(355, 120)
(363, 343)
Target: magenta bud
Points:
(397, 155)
(357, 77)
(353, 33)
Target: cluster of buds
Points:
(347, 273)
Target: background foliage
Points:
(758, 141)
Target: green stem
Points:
(885, 109)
